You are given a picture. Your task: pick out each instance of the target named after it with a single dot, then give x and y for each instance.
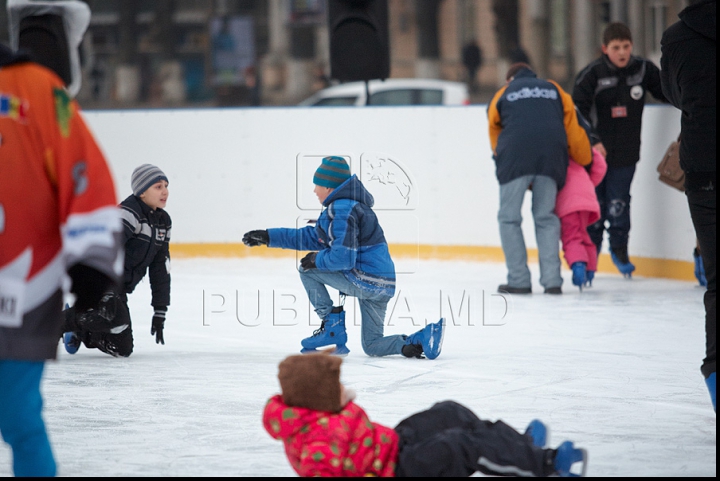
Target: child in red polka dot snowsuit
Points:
(326, 434)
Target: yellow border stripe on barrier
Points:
(645, 266)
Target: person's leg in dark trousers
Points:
(117, 344)
(703, 210)
(449, 440)
(442, 415)
(617, 199)
(109, 327)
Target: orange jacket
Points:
(57, 206)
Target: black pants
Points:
(108, 327)
(450, 440)
(613, 195)
(703, 211)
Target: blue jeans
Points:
(372, 308)
(613, 194)
(21, 422)
(547, 230)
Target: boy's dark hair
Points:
(515, 68)
(616, 31)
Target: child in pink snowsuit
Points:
(577, 207)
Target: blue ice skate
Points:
(567, 455)
(621, 260)
(710, 381)
(72, 342)
(331, 331)
(589, 276)
(538, 432)
(430, 338)
(579, 274)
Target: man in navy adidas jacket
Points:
(533, 128)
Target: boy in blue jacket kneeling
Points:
(348, 253)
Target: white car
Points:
(391, 91)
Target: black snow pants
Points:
(108, 327)
(450, 440)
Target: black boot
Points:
(69, 322)
(412, 350)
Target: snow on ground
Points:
(614, 369)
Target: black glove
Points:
(308, 262)
(88, 285)
(256, 238)
(158, 324)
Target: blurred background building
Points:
(186, 53)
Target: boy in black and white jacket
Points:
(146, 236)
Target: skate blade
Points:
(436, 350)
(583, 468)
(583, 472)
(335, 351)
(341, 351)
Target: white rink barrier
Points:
(430, 169)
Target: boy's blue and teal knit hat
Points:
(332, 172)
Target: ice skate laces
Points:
(319, 330)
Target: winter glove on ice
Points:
(88, 285)
(158, 324)
(308, 262)
(256, 238)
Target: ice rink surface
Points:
(614, 369)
